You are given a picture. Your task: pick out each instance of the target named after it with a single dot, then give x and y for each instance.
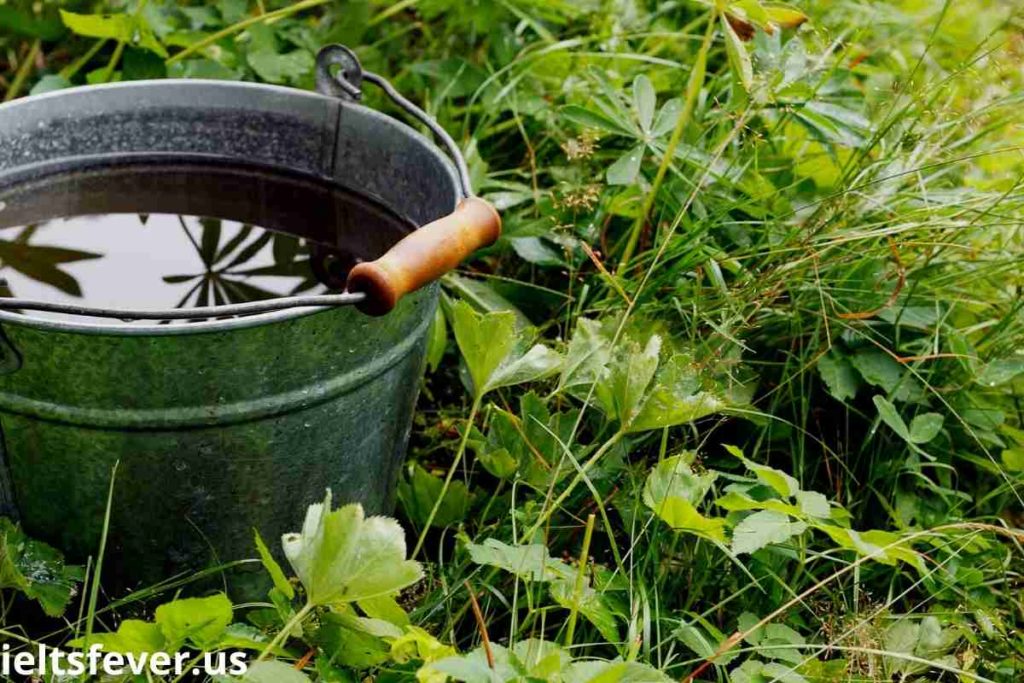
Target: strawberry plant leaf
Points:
(764, 528)
(342, 556)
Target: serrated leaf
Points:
(626, 168)
(814, 504)
(764, 528)
(587, 355)
(342, 556)
(536, 364)
(280, 581)
(484, 340)
(199, 621)
(273, 66)
(839, 376)
(591, 605)
(36, 569)
(782, 483)
(624, 383)
(133, 636)
(419, 491)
(676, 397)
(529, 562)
(672, 491)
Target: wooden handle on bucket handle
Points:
(425, 255)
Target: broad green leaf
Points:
(587, 355)
(23, 22)
(1013, 459)
(528, 562)
(615, 671)
(644, 101)
(623, 385)
(540, 659)
(386, 608)
(484, 340)
(273, 671)
(764, 528)
(672, 491)
(281, 581)
(534, 250)
(925, 427)
(418, 644)
(783, 484)
(676, 397)
(673, 477)
(36, 569)
(878, 368)
(784, 15)
(418, 493)
(626, 168)
(271, 65)
(342, 556)
(114, 26)
(199, 621)
(132, 30)
(840, 378)
(734, 501)
(349, 641)
(814, 504)
(890, 416)
(471, 668)
(1000, 371)
(536, 364)
(133, 637)
(49, 83)
(739, 58)
(881, 546)
(591, 605)
(437, 340)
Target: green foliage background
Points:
(736, 397)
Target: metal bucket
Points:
(222, 425)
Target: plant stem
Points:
(24, 69)
(283, 633)
(68, 72)
(693, 88)
(451, 475)
(581, 575)
(94, 589)
(580, 474)
(242, 25)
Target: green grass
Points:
(825, 235)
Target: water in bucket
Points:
(157, 237)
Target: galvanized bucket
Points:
(237, 422)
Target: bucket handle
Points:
(434, 249)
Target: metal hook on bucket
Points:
(374, 287)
